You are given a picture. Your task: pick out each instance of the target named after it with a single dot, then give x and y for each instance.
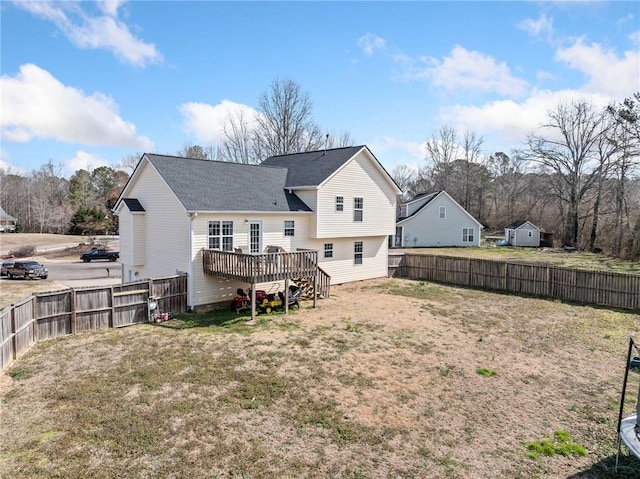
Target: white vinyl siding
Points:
(160, 244)
(362, 179)
(426, 228)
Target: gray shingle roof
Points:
(5, 216)
(313, 167)
(205, 185)
(429, 196)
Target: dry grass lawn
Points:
(386, 379)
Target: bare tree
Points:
(285, 121)
(566, 150)
(238, 144)
(128, 163)
(196, 152)
(442, 151)
(48, 194)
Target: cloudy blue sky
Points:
(85, 83)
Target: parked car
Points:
(98, 253)
(28, 270)
(6, 264)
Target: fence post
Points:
(34, 319)
(72, 292)
(13, 331)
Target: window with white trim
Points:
(467, 235)
(358, 207)
(221, 235)
(357, 252)
(328, 250)
(339, 203)
(443, 212)
(289, 228)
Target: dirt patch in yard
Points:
(387, 378)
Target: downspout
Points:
(190, 286)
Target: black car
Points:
(6, 264)
(28, 270)
(98, 253)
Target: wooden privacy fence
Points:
(59, 313)
(584, 286)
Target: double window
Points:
(221, 235)
(467, 235)
(328, 250)
(357, 252)
(358, 206)
(289, 228)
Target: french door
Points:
(255, 236)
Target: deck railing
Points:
(260, 268)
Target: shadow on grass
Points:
(210, 319)
(628, 468)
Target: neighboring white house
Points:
(436, 220)
(522, 233)
(7, 222)
(340, 202)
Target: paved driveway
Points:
(77, 274)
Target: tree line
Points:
(576, 176)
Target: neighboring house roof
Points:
(5, 216)
(517, 224)
(206, 185)
(313, 168)
(133, 204)
(431, 197)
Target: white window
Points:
(328, 250)
(289, 228)
(530, 234)
(403, 211)
(358, 205)
(357, 252)
(467, 235)
(221, 235)
(443, 212)
(339, 203)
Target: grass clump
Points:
(561, 444)
(486, 372)
(20, 373)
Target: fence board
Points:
(584, 286)
(7, 347)
(59, 313)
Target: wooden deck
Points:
(265, 267)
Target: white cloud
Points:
(512, 121)
(98, 32)
(37, 105)
(206, 121)
(85, 161)
(635, 37)
(535, 28)
(472, 71)
(608, 74)
(369, 43)
(393, 152)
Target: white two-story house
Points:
(436, 220)
(338, 203)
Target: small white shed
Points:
(522, 233)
